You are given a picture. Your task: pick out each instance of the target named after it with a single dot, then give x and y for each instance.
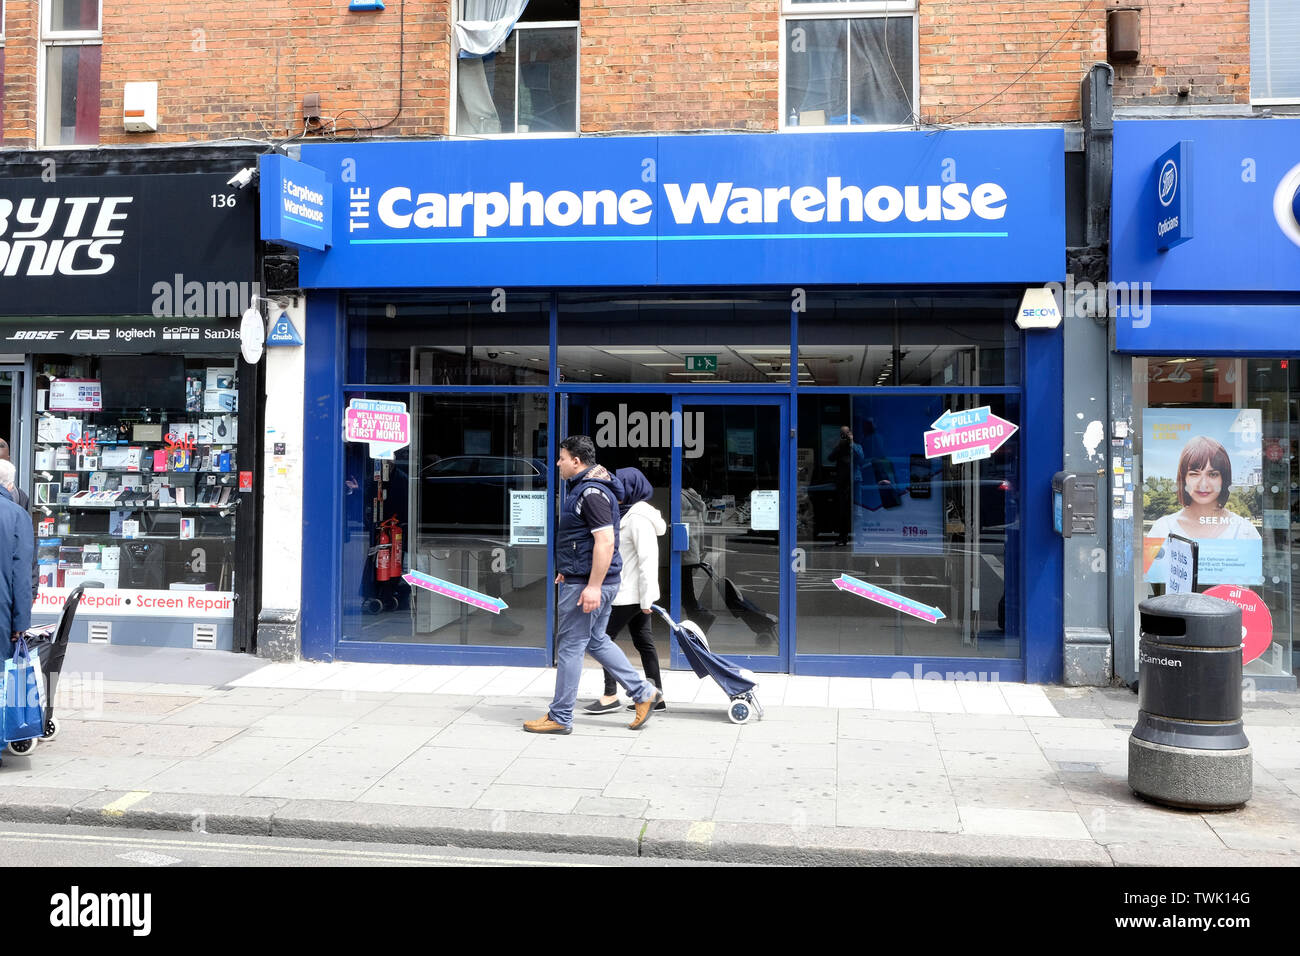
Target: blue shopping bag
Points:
(24, 718)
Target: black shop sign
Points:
(165, 246)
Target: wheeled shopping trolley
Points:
(744, 704)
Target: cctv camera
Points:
(243, 177)
(493, 355)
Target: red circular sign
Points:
(1273, 450)
(1256, 621)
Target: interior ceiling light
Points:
(633, 351)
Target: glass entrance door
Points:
(12, 417)
(729, 537)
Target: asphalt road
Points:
(51, 845)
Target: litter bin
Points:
(1189, 747)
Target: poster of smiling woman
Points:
(1201, 475)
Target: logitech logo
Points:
(1168, 182)
(1286, 205)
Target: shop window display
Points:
(1217, 464)
(467, 498)
(135, 479)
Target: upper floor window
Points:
(1274, 51)
(848, 62)
(71, 42)
(517, 69)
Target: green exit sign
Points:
(701, 363)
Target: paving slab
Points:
(582, 774)
(535, 799)
(1012, 793)
(1047, 824)
(667, 801)
(1148, 824)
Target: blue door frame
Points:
(779, 662)
(1038, 551)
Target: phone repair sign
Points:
(385, 426)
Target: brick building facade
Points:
(233, 69)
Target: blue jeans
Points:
(581, 633)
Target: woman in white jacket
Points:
(640, 525)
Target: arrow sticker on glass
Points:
(454, 591)
(879, 595)
(968, 435)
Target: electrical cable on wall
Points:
(1088, 6)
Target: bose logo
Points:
(1286, 205)
(34, 335)
(1168, 182)
(85, 235)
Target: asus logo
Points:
(91, 334)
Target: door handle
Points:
(681, 537)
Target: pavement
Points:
(839, 770)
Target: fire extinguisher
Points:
(383, 555)
(396, 533)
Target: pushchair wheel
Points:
(372, 605)
(740, 711)
(51, 729)
(21, 748)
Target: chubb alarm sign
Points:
(957, 206)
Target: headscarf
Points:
(636, 487)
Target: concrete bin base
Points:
(1193, 779)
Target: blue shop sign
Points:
(960, 206)
(296, 204)
(1171, 192)
(1242, 191)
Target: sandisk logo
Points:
(71, 236)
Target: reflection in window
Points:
(524, 83)
(470, 497)
(687, 340)
(849, 72)
(469, 340)
(881, 340)
(870, 504)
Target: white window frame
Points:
(58, 38)
(454, 105)
(864, 10)
(1267, 100)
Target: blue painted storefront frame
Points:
(1038, 554)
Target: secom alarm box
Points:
(1074, 503)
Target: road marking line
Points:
(118, 807)
(235, 847)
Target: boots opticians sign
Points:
(957, 206)
(100, 245)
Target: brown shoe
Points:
(544, 725)
(643, 712)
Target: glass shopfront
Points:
(1215, 441)
(712, 310)
(812, 525)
